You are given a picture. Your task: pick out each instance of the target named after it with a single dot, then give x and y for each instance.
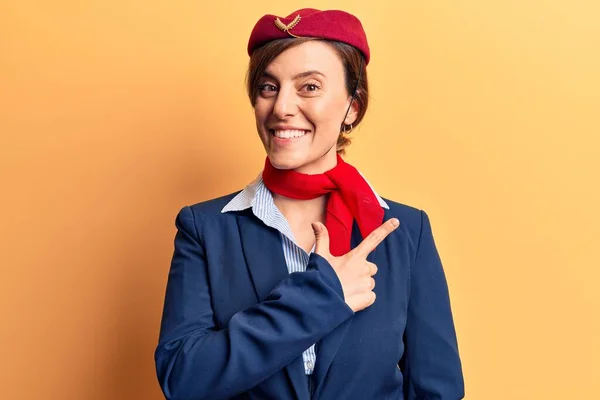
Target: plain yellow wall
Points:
(116, 113)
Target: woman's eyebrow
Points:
(308, 73)
(269, 75)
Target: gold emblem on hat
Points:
(288, 27)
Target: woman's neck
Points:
(299, 212)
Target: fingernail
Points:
(395, 222)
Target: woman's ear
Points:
(353, 112)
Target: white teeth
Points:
(288, 134)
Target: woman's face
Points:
(300, 107)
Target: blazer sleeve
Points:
(431, 362)
(196, 360)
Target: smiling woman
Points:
(299, 107)
(307, 284)
(261, 82)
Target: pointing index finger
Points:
(376, 237)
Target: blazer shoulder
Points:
(211, 207)
(411, 218)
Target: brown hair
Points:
(354, 67)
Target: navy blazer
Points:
(235, 322)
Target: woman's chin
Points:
(301, 162)
(285, 162)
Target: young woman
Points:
(307, 284)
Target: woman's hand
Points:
(353, 270)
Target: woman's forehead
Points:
(315, 56)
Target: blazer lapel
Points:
(266, 263)
(264, 254)
(328, 347)
(297, 378)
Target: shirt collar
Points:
(249, 197)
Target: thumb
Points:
(321, 239)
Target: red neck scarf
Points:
(350, 198)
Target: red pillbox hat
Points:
(329, 24)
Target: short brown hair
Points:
(354, 67)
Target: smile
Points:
(288, 133)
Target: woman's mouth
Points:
(288, 133)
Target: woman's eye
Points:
(312, 87)
(266, 87)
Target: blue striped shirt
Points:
(260, 199)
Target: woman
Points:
(307, 284)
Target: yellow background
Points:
(116, 113)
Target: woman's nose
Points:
(286, 104)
